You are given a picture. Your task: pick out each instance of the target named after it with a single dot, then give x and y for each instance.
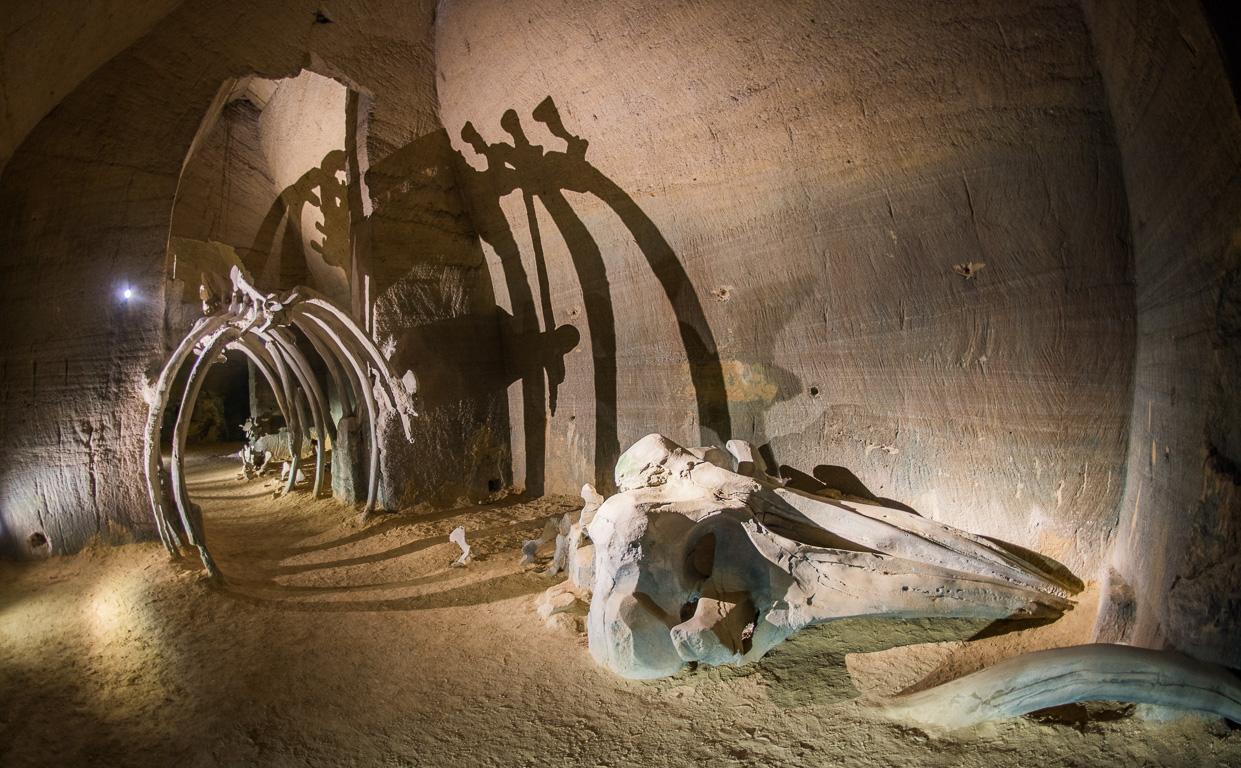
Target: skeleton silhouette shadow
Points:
(546, 176)
(288, 263)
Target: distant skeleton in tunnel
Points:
(696, 562)
(257, 325)
(262, 451)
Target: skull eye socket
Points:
(688, 610)
(702, 556)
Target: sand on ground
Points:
(333, 642)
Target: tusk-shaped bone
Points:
(1060, 676)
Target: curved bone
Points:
(158, 400)
(191, 521)
(250, 347)
(1060, 676)
(313, 394)
(339, 378)
(292, 417)
(749, 462)
(347, 351)
(694, 562)
(399, 390)
(315, 324)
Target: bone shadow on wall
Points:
(433, 312)
(322, 191)
(546, 176)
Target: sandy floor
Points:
(338, 644)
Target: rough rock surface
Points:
(349, 459)
(767, 239)
(1178, 542)
(981, 255)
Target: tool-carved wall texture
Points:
(982, 254)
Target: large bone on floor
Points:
(1060, 676)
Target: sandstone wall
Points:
(892, 240)
(50, 48)
(977, 257)
(1178, 545)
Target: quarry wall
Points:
(975, 257)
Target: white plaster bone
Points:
(530, 547)
(314, 396)
(1061, 676)
(580, 556)
(292, 415)
(694, 562)
(458, 537)
(312, 323)
(339, 379)
(749, 462)
(286, 469)
(560, 558)
(157, 399)
(191, 520)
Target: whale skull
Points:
(697, 563)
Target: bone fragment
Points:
(563, 608)
(530, 547)
(284, 473)
(458, 537)
(1060, 676)
(580, 557)
(750, 463)
(561, 557)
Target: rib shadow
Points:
(476, 593)
(546, 176)
(401, 520)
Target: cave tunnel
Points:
(975, 263)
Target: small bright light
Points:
(128, 293)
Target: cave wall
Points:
(1178, 544)
(892, 239)
(48, 50)
(85, 204)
